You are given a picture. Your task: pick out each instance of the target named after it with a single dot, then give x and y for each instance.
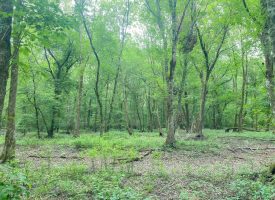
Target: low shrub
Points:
(13, 183)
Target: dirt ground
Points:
(173, 170)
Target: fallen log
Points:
(236, 129)
(135, 159)
(251, 149)
(248, 138)
(54, 157)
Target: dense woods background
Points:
(141, 65)
(161, 66)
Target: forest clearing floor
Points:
(117, 166)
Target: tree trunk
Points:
(35, 105)
(95, 120)
(170, 140)
(150, 121)
(5, 49)
(122, 44)
(127, 118)
(159, 123)
(268, 41)
(106, 105)
(55, 109)
(202, 107)
(187, 113)
(138, 114)
(96, 89)
(180, 93)
(244, 73)
(89, 113)
(9, 146)
(79, 102)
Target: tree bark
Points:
(138, 113)
(150, 120)
(35, 105)
(127, 117)
(5, 49)
(176, 29)
(9, 146)
(89, 113)
(270, 5)
(202, 107)
(244, 81)
(79, 102)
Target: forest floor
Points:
(117, 166)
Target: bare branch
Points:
(49, 63)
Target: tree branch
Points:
(49, 64)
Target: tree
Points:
(176, 29)
(58, 74)
(9, 146)
(6, 9)
(209, 66)
(270, 70)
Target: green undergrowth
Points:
(245, 134)
(253, 186)
(74, 181)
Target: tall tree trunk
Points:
(6, 7)
(89, 34)
(269, 29)
(244, 74)
(122, 44)
(180, 110)
(80, 90)
(187, 113)
(176, 29)
(95, 120)
(150, 120)
(127, 117)
(138, 113)
(106, 104)
(270, 71)
(159, 122)
(79, 102)
(35, 105)
(89, 113)
(9, 146)
(202, 107)
(55, 109)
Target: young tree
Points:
(209, 66)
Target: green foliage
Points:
(13, 183)
(107, 185)
(77, 181)
(251, 190)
